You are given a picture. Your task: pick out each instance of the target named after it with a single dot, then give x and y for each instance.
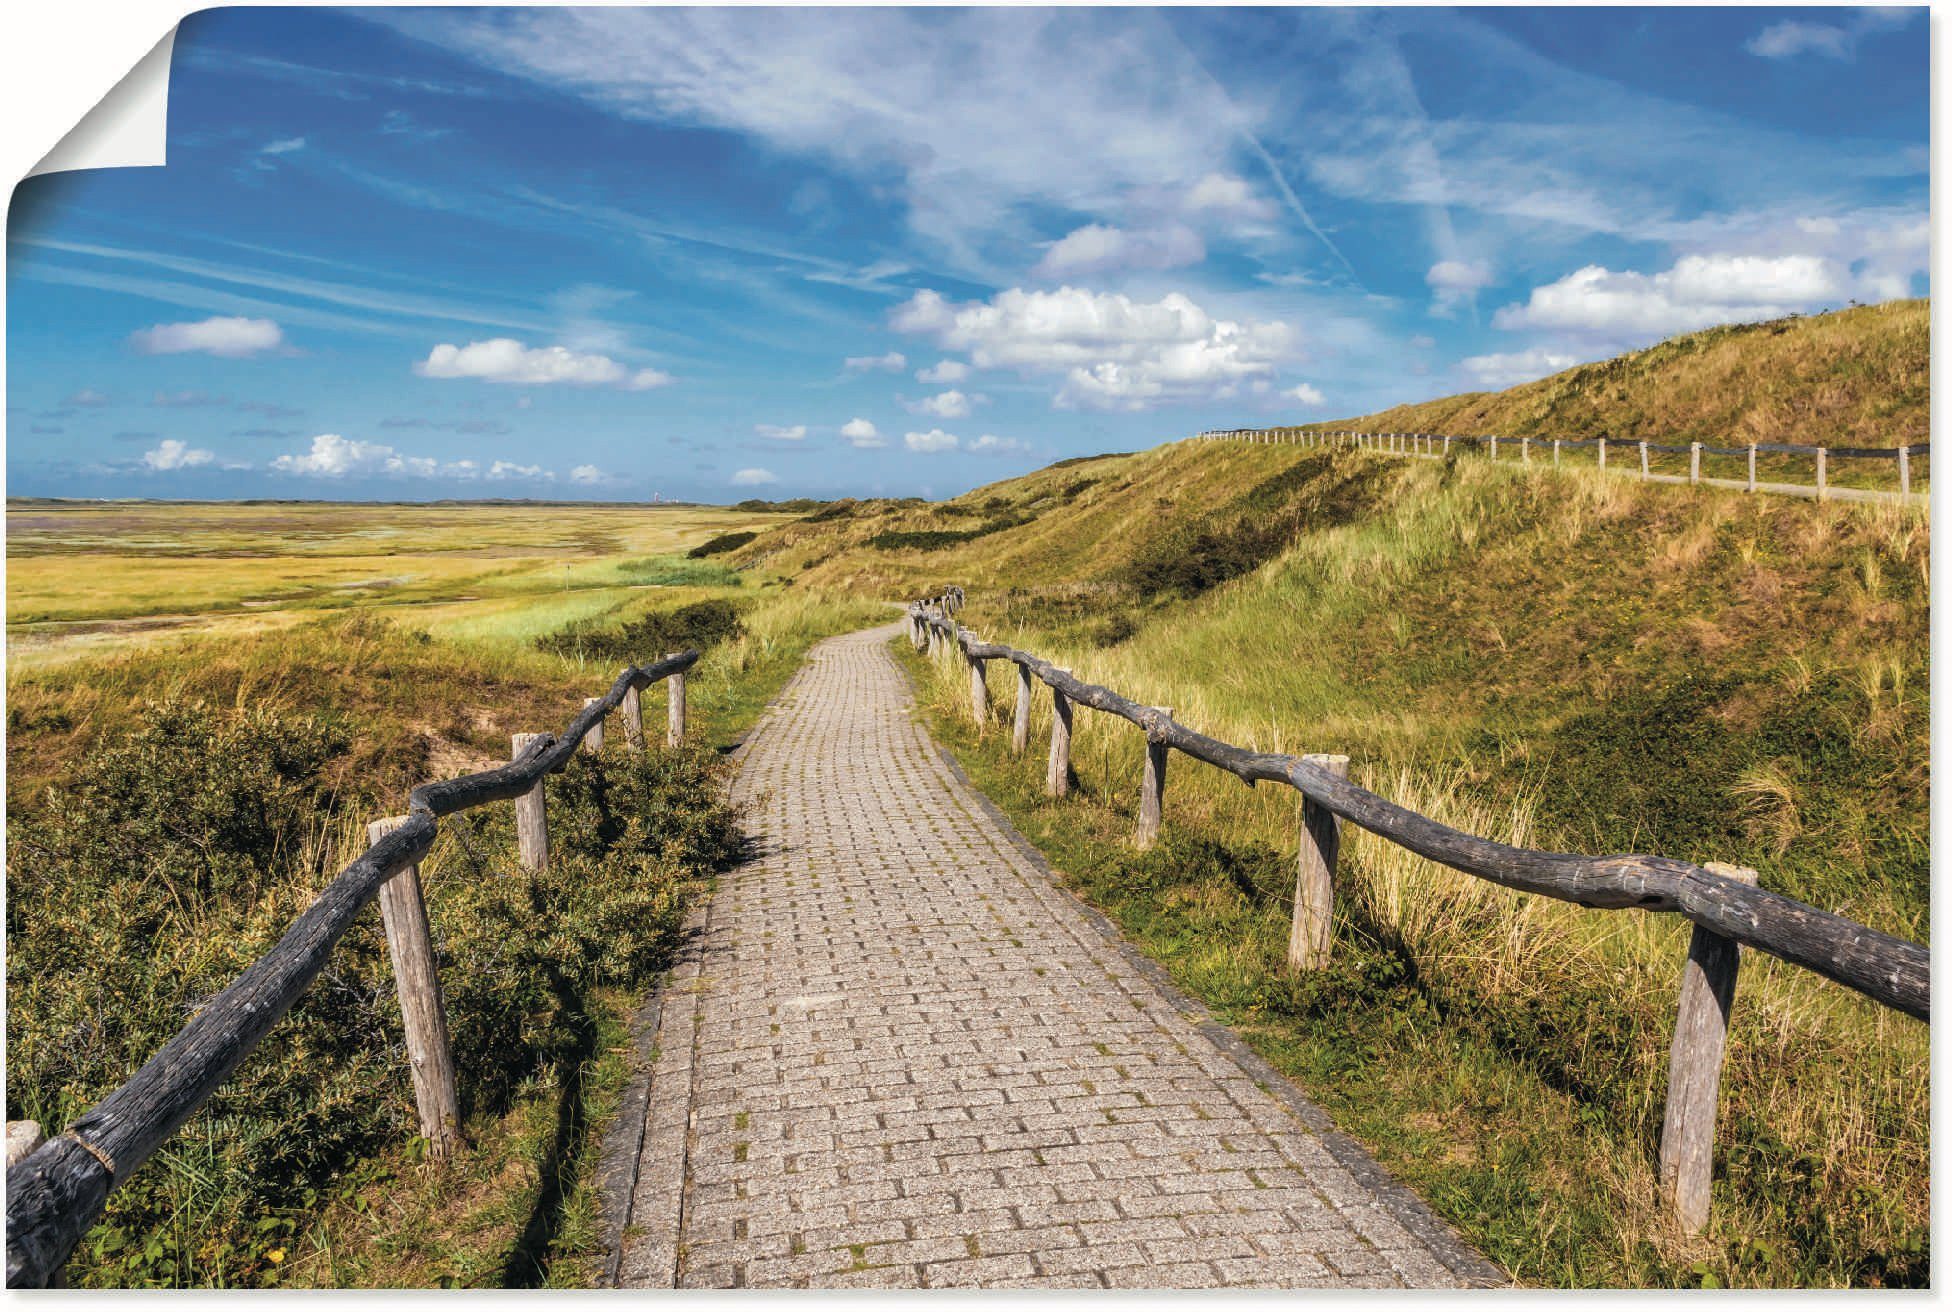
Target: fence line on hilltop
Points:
(1435, 446)
(55, 1192)
(1723, 902)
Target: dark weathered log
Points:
(423, 1016)
(1880, 966)
(57, 1192)
(1694, 1069)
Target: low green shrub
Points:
(719, 545)
(700, 624)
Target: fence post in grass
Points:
(979, 690)
(633, 709)
(418, 985)
(1602, 455)
(593, 740)
(531, 816)
(1555, 453)
(1524, 450)
(1446, 443)
(1057, 771)
(1694, 462)
(674, 706)
(1822, 473)
(1643, 462)
(1020, 728)
(1904, 470)
(1152, 785)
(1751, 466)
(1695, 1068)
(1321, 840)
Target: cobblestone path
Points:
(896, 1054)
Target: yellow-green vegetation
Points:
(1556, 659)
(177, 795)
(1857, 377)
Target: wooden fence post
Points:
(1321, 841)
(1643, 462)
(1152, 786)
(418, 984)
(1904, 470)
(674, 706)
(1524, 450)
(1057, 771)
(1751, 466)
(1494, 448)
(1695, 1068)
(1555, 453)
(979, 690)
(1446, 443)
(1602, 455)
(1020, 728)
(593, 740)
(1822, 472)
(633, 709)
(1694, 462)
(531, 816)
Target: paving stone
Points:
(894, 1054)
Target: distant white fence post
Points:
(1822, 473)
(1602, 455)
(1751, 466)
(1643, 462)
(1904, 470)
(1694, 462)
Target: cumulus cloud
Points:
(1305, 393)
(944, 371)
(171, 454)
(754, 478)
(862, 433)
(1700, 291)
(990, 444)
(588, 474)
(333, 456)
(1225, 196)
(505, 360)
(892, 363)
(1454, 283)
(1099, 248)
(1511, 368)
(230, 336)
(781, 433)
(951, 404)
(1115, 353)
(932, 441)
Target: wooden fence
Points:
(56, 1192)
(1435, 446)
(1723, 902)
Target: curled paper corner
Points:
(128, 127)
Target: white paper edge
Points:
(128, 127)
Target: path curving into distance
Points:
(896, 1053)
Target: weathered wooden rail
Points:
(1724, 904)
(1434, 446)
(55, 1193)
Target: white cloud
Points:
(943, 371)
(1512, 368)
(893, 363)
(333, 456)
(991, 444)
(932, 441)
(1780, 40)
(505, 360)
(754, 478)
(1225, 196)
(1098, 248)
(1115, 353)
(779, 433)
(951, 404)
(1454, 283)
(588, 474)
(862, 433)
(1305, 393)
(230, 336)
(87, 396)
(172, 454)
(1700, 291)
(282, 146)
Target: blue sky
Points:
(712, 254)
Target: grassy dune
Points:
(1557, 659)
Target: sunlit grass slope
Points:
(1856, 377)
(1559, 659)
